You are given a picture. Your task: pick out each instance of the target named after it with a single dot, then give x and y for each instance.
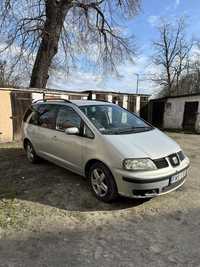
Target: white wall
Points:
(93, 96)
(110, 98)
(37, 96)
(137, 108)
(174, 111)
(125, 101)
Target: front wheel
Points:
(102, 182)
(30, 153)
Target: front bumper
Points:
(150, 183)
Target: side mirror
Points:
(72, 131)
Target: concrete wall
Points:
(6, 124)
(174, 112)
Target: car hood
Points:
(152, 144)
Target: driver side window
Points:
(67, 118)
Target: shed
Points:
(180, 112)
(12, 107)
(15, 101)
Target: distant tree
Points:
(38, 29)
(7, 79)
(171, 52)
(2, 73)
(190, 81)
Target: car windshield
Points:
(112, 119)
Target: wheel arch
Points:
(25, 142)
(113, 182)
(93, 161)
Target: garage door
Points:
(190, 115)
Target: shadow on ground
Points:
(48, 184)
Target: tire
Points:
(102, 183)
(30, 153)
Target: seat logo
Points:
(175, 160)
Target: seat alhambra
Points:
(118, 152)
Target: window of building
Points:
(168, 106)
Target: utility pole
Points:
(137, 86)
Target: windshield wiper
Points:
(145, 128)
(127, 130)
(136, 129)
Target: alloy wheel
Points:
(30, 152)
(98, 181)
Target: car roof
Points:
(89, 102)
(78, 103)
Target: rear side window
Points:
(27, 114)
(31, 115)
(34, 118)
(47, 116)
(67, 118)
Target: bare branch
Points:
(171, 52)
(41, 28)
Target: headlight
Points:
(139, 164)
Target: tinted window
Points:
(47, 116)
(67, 118)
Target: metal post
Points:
(137, 86)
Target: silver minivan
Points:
(116, 150)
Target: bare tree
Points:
(190, 81)
(171, 52)
(39, 29)
(7, 78)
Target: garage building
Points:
(176, 112)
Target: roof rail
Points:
(52, 99)
(101, 100)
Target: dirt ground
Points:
(49, 218)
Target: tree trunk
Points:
(169, 80)
(55, 15)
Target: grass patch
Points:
(9, 214)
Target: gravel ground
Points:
(49, 218)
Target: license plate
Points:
(177, 177)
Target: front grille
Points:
(181, 155)
(174, 160)
(161, 163)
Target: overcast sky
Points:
(143, 26)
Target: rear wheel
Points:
(102, 182)
(30, 153)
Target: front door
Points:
(190, 115)
(68, 148)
